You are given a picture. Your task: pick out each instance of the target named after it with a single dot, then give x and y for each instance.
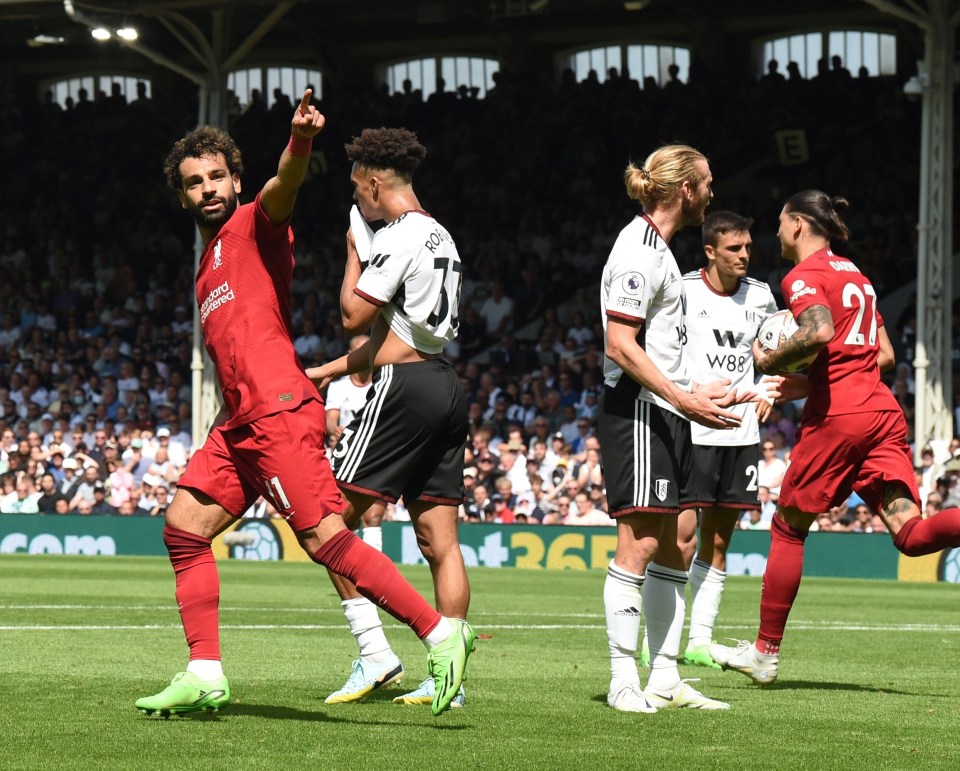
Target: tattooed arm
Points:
(816, 330)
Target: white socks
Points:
(366, 627)
(439, 633)
(206, 669)
(362, 615)
(706, 585)
(622, 602)
(665, 607)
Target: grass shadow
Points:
(820, 685)
(275, 712)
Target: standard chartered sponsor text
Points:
(218, 296)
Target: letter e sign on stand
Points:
(792, 147)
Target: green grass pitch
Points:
(868, 678)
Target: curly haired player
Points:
(409, 439)
(270, 406)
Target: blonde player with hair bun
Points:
(644, 419)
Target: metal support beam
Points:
(933, 363)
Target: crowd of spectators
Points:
(96, 321)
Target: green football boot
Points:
(187, 693)
(447, 664)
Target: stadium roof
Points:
(320, 24)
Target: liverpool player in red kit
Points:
(853, 435)
(272, 424)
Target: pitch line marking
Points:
(801, 626)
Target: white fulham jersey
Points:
(347, 397)
(642, 283)
(414, 274)
(721, 329)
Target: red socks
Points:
(377, 579)
(198, 591)
(781, 580)
(927, 536)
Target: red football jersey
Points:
(844, 378)
(243, 292)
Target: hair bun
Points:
(839, 203)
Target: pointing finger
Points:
(305, 102)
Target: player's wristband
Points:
(300, 147)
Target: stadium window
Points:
(474, 72)
(875, 51)
(70, 87)
(290, 80)
(646, 60)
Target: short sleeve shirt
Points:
(347, 397)
(414, 274)
(641, 283)
(721, 329)
(844, 378)
(243, 292)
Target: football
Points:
(775, 330)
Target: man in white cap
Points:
(176, 452)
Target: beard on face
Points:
(215, 219)
(694, 211)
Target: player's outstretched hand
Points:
(319, 378)
(307, 120)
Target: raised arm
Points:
(280, 192)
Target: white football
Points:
(775, 330)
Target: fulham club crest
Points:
(663, 485)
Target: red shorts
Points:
(280, 457)
(838, 454)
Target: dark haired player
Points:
(409, 439)
(270, 406)
(854, 433)
(726, 309)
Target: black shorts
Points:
(647, 455)
(409, 438)
(726, 476)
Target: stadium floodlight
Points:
(45, 40)
(100, 33)
(127, 33)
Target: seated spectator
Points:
(129, 508)
(23, 499)
(49, 494)
(162, 497)
(755, 522)
(502, 513)
(590, 471)
(147, 499)
(84, 490)
(862, 519)
(586, 514)
(770, 469)
(100, 503)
